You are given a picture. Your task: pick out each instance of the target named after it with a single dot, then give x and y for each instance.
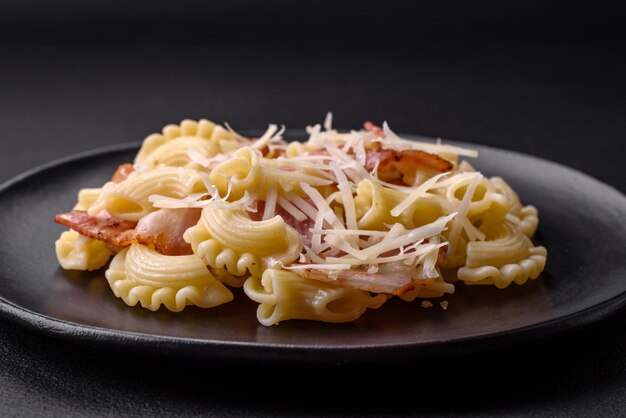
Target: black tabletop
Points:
(71, 82)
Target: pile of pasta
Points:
(320, 230)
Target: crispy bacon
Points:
(394, 284)
(395, 166)
(380, 157)
(103, 227)
(274, 153)
(122, 173)
(164, 228)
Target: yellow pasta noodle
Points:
(508, 257)
(141, 275)
(241, 173)
(519, 272)
(227, 239)
(284, 295)
(373, 204)
(481, 199)
(526, 216)
(86, 198)
(76, 252)
(129, 199)
(172, 145)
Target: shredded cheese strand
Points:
(420, 191)
(413, 235)
(346, 194)
(291, 209)
(270, 202)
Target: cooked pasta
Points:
(129, 200)
(171, 147)
(76, 252)
(86, 198)
(286, 295)
(321, 230)
(227, 239)
(141, 275)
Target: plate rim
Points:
(283, 352)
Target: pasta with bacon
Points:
(325, 229)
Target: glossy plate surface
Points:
(581, 224)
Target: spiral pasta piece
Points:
(129, 200)
(526, 216)
(502, 187)
(373, 204)
(509, 258)
(76, 252)
(141, 275)
(519, 272)
(171, 147)
(86, 198)
(227, 239)
(529, 220)
(284, 295)
(241, 173)
(481, 200)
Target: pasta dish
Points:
(321, 230)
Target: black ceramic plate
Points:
(585, 279)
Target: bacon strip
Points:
(164, 229)
(380, 157)
(394, 166)
(398, 165)
(122, 173)
(394, 284)
(103, 227)
(410, 158)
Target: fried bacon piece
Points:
(164, 228)
(394, 166)
(380, 157)
(401, 165)
(394, 284)
(103, 227)
(410, 158)
(122, 173)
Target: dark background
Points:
(544, 78)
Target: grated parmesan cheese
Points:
(419, 192)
